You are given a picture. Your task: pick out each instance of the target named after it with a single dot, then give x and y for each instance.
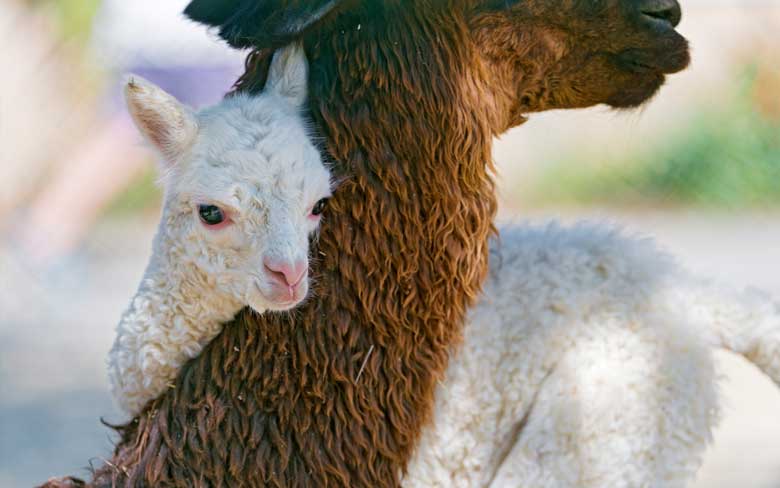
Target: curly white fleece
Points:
(176, 311)
(587, 364)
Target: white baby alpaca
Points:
(244, 189)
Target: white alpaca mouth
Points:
(294, 297)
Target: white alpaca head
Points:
(244, 185)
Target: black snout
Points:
(662, 10)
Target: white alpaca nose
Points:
(286, 272)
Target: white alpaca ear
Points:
(289, 74)
(167, 124)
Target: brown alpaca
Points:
(408, 96)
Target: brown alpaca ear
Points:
(262, 23)
(163, 121)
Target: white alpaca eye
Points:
(319, 207)
(211, 214)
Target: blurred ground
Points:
(56, 322)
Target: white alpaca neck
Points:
(176, 311)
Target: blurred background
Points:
(698, 169)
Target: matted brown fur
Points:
(408, 97)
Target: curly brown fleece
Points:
(408, 97)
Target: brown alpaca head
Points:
(571, 54)
(538, 54)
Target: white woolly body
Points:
(254, 159)
(587, 364)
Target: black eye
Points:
(319, 207)
(211, 214)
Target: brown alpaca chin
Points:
(648, 69)
(638, 94)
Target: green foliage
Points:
(142, 195)
(727, 157)
(74, 17)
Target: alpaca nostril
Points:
(286, 272)
(664, 10)
(277, 276)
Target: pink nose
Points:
(288, 273)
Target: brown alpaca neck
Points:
(336, 392)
